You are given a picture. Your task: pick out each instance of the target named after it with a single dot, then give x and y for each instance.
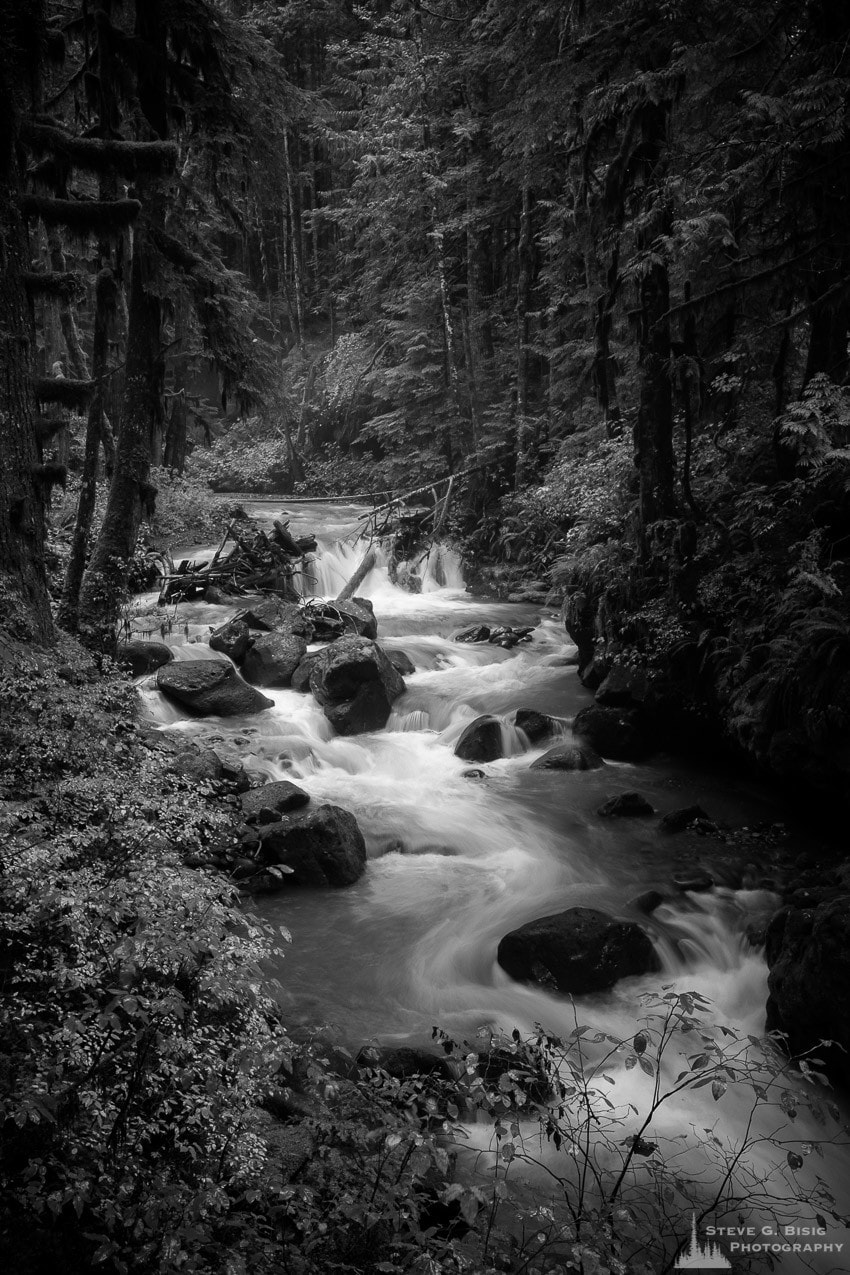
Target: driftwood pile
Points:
(255, 562)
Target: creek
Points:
(456, 862)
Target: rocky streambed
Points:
(454, 831)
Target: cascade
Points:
(457, 861)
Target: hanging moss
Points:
(65, 285)
(61, 390)
(83, 216)
(47, 427)
(99, 155)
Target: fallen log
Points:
(367, 562)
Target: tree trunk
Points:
(653, 431)
(26, 606)
(522, 334)
(104, 309)
(105, 579)
(296, 244)
(78, 367)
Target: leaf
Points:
(630, 1062)
(639, 1043)
(718, 1089)
(795, 1161)
(646, 1066)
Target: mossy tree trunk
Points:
(25, 603)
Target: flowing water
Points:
(455, 862)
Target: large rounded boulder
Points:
(144, 657)
(272, 658)
(568, 757)
(808, 954)
(481, 740)
(318, 845)
(356, 685)
(579, 950)
(210, 688)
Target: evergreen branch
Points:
(62, 284)
(82, 216)
(63, 390)
(100, 155)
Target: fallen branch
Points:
(348, 590)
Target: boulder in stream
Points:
(210, 688)
(474, 633)
(568, 757)
(274, 615)
(579, 950)
(481, 740)
(301, 676)
(535, 726)
(402, 662)
(280, 797)
(144, 657)
(356, 685)
(272, 659)
(320, 845)
(626, 805)
(613, 732)
(687, 817)
(335, 619)
(231, 639)
(808, 955)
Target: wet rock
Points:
(697, 881)
(232, 770)
(568, 757)
(808, 954)
(647, 902)
(626, 805)
(199, 764)
(280, 797)
(144, 657)
(508, 638)
(613, 732)
(322, 845)
(481, 740)
(273, 658)
(232, 639)
(301, 676)
(679, 820)
(402, 662)
(274, 615)
(331, 620)
(356, 685)
(210, 687)
(535, 726)
(475, 633)
(624, 685)
(581, 949)
(473, 773)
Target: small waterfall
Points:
(330, 569)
